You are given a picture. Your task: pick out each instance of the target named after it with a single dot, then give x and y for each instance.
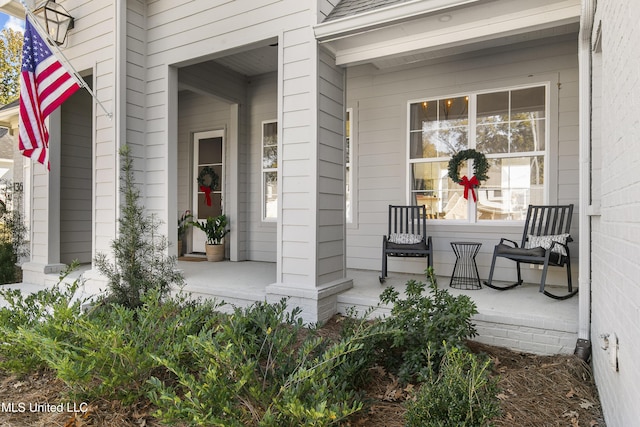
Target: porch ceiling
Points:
(249, 60)
(261, 60)
(404, 33)
(9, 114)
(12, 7)
(253, 61)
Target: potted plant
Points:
(215, 228)
(184, 222)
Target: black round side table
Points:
(465, 271)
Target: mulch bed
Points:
(534, 391)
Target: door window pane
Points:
(210, 151)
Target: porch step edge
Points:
(515, 331)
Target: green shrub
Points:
(108, 353)
(419, 321)
(374, 335)
(255, 369)
(8, 260)
(13, 234)
(33, 311)
(140, 263)
(461, 394)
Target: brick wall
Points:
(616, 230)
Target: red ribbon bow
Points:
(469, 184)
(207, 193)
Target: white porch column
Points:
(171, 160)
(311, 265)
(44, 224)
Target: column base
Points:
(318, 304)
(41, 274)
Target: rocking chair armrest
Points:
(504, 239)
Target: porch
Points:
(521, 319)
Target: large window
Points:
(508, 126)
(269, 170)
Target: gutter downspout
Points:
(583, 346)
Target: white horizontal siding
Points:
(380, 98)
(76, 182)
(90, 48)
(331, 172)
(190, 30)
(298, 163)
(262, 104)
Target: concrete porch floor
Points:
(521, 319)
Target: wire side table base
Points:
(465, 271)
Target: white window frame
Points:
(349, 139)
(549, 151)
(264, 171)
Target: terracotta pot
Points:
(214, 253)
(180, 253)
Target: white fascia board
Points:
(349, 25)
(543, 17)
(13, 8)
(10, 115)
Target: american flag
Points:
(44, 85)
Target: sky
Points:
(7, 21)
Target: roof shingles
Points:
(354, 7)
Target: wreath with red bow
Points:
(207, 182)
(480, 168)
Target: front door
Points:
(208, 151)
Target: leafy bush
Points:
(254, 369)
(24, 313)
(140, 263)
(13, 234)
(461, 394)
(374, 335)
(102, 353)
(108, 353)
(419, 321)
(8, 260)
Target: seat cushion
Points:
(546, 242)
(506, 250)
(399, 247)
(510, 252)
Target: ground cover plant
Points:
(163, 358)
(258, 366)
(13, 232)
(386, 400)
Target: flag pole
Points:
(53, 44)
